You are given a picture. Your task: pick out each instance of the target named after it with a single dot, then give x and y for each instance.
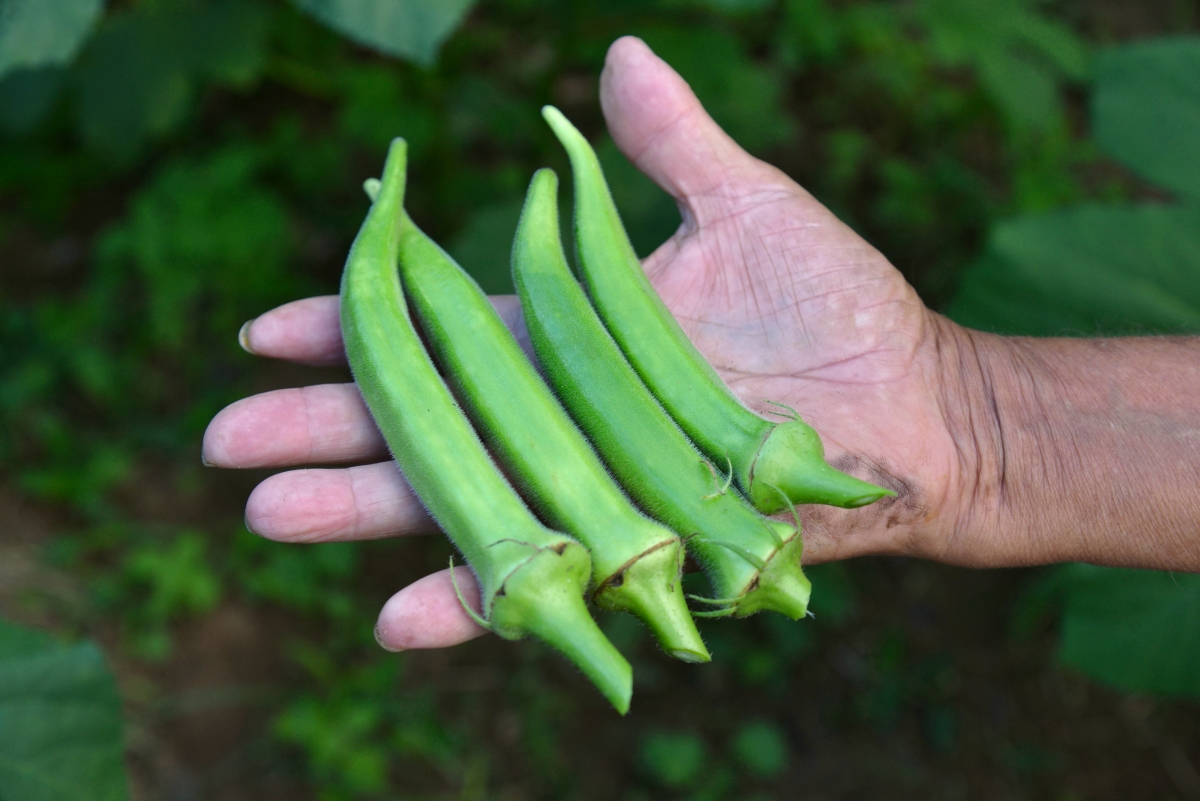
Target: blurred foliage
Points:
(60, 720)
(200, 161)
(1112, 268)
(674, 759)
(680, 761)
(1146, 110)
(310, 580)
(35, 34)
(137, 75)
(1105, 269)
(1088, 270)
(762, 748)
(1133, 629)
(411, 29)
(168, 581)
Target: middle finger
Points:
(322, 424)
(355, 503)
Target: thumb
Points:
(658, 123)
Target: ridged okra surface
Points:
(636, 562)
(774, 464)
(753, 562)
(532, 579)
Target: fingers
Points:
(356, 503)
(509, 309)
(323, 424)
(309, 331)
(326, 424)
(427, 613)
(658, 123)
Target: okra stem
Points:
(753, 562)
(787, 456)
(532, 579)
(636, 561)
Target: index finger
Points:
(309, 331)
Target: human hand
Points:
(787, 302)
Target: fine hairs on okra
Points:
(637, 563)
(532, 580)
(775, 464)
(753, 562)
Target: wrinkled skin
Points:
(787, 302)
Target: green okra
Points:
(532, 580)
(774, 464)
(636, 562)
(752, 561)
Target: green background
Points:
(169, 169)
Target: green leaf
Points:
(41, 33)
(376, 110)
(965, 31)
(204, 236)
(60, 721)
(1026, 92)
(812, 33)
(1053, 41)
(1138, 630)
(171, 581)
(226, 41)
(340, 738)
(136, 77)
(178, 576)
(26, 96)
(410, 29)
(132, 83)
(1020, 55)
(1146, 109)
(734, 7)
(1088, 270)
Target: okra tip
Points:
(544, 597)
(651, 589)
(395, 169)
(582, 156)
(396, 164)
(790, 468)
(541, 205)
(557, 120)
(537, 229)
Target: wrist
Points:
(989, 389)
(935, 439)
(1072, 449)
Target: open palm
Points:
(792, 306)
(787, 302)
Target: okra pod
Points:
(774, 464)
(532, 580)
(636, 562)
(752, 561)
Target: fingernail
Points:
(384, 645)
(246, 523)
(204, 460)
(244, 336)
